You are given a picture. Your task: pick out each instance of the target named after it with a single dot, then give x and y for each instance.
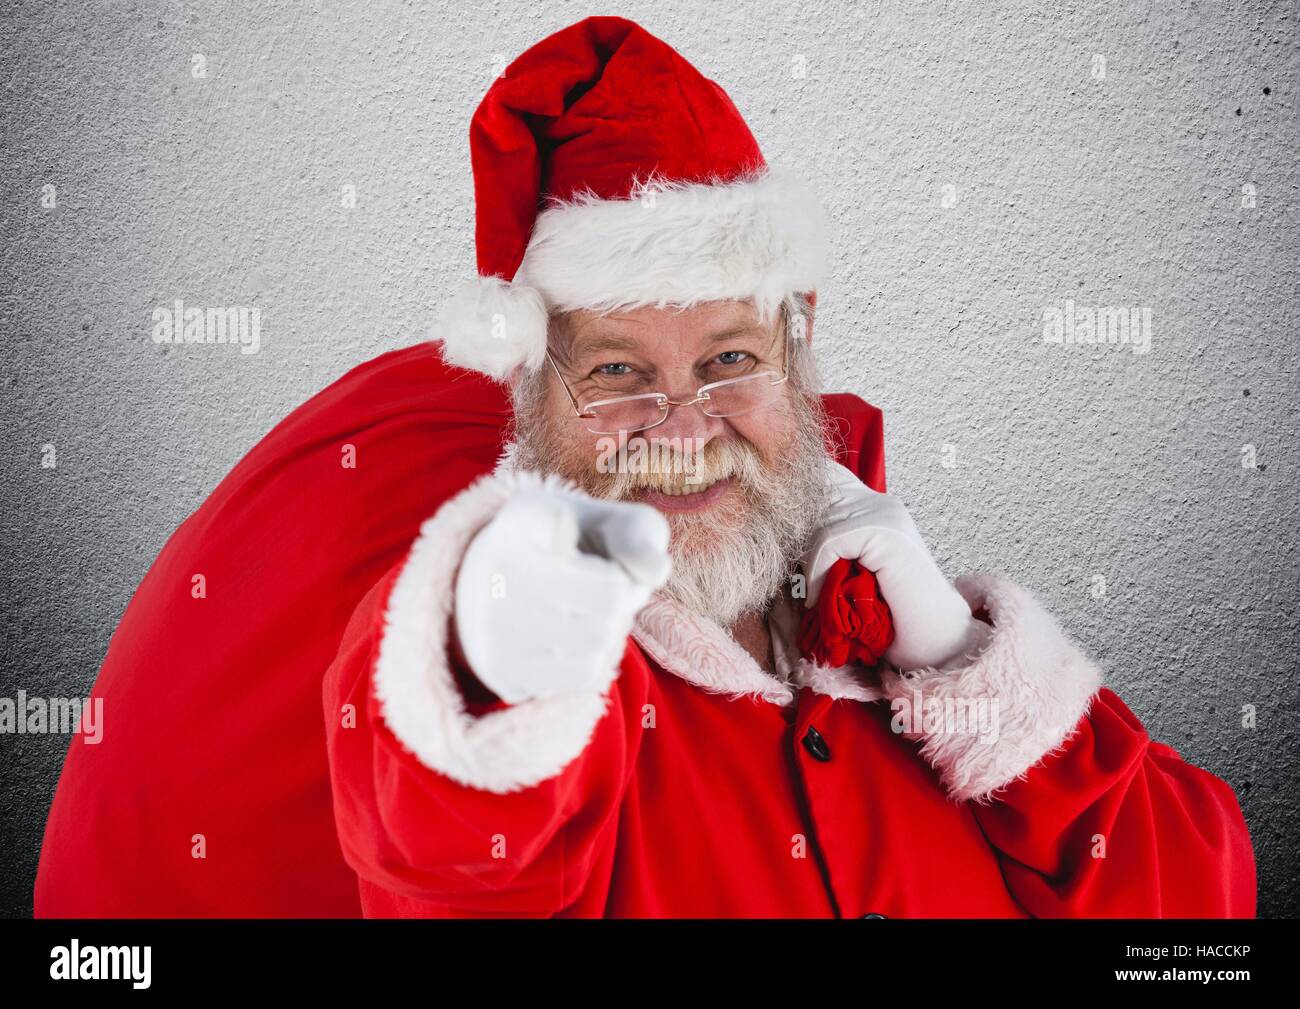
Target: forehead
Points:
(654, 331)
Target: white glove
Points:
(932, 623)
(548, 590)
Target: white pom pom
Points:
(492, 326)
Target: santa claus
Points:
(607, 606)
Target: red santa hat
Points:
(609, 173)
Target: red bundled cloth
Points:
(850, 620)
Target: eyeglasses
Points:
(729, 398)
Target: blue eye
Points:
(731, 356)
(605, 369)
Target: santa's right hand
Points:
(548, 590)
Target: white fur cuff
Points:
(985, 722)
(502, 751)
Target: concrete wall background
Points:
(1063, 462)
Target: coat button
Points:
(816, 745)
(872, 914)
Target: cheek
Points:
(770, 430)
(576, 446)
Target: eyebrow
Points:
(602, 341)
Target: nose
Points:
(688, 421)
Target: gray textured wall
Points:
(980, 164)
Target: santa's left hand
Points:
(932, 622)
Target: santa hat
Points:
(609, 173)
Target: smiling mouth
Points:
(686, 497)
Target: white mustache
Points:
(674, 471)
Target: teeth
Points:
(676, 485)
(686, 490)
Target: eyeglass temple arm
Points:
(785, 366)
(785, 342)
(576, 409)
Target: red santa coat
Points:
(696, 785)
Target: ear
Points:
(812, 303)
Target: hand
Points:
(548, 590)
(932, 623)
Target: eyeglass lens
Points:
(729, 399)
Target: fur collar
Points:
(706, 655)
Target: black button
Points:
(873, 915)
(816, 745)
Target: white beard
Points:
(736, 557)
